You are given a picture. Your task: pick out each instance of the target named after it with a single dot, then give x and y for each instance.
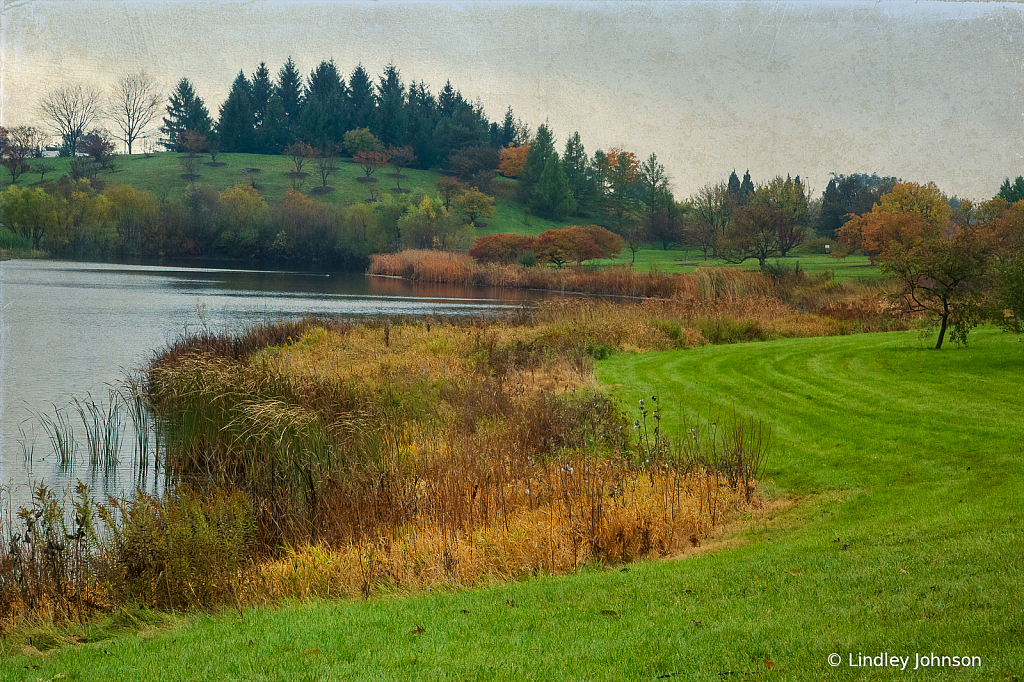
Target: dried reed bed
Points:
(785, 305)
(406, 454)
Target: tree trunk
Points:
(942, 326)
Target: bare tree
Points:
(20, 143)
(69, 110)
(132, 106)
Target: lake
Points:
(75, 330)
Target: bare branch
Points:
(69, 110)
(132, 106)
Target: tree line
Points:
(76, 219)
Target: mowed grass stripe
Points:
(829, 398)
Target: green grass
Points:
(161, 175)
(851, 268)
(908, 539)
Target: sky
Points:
(924, 91)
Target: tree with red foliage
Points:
(371, 163)
(500, 248)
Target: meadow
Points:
(888, 521)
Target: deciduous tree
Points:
(133, 105)
(69, 110)
(503, 247)
(19, 144)
(512, 160)
(371, 162)
(474, 204)
(449, 187)
(939, 260)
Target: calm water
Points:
(73, 330)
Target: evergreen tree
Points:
(541, 147)
(422, 113)
(1012, 193)
(313, 126)
(578, 174)
(464, 128)
(508, 129)
(552, 197)
(262, 89)
(236, 124)
(392, 120)
(289, 90)
(185, 111)
(327, 89)
(361, 99)
(273, 136)
(734, 186)
(447, 100)
(746, 189)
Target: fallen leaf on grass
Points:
(311, 652)
(768, 664)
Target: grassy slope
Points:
(910, 542)
(161, 173)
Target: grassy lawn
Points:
(851, 268)
(907, 540)
(161, 175)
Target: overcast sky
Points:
(926, 90)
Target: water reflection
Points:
(76, 330)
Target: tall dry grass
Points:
(404, 454)
(790, 304)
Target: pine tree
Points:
(541, 148)
(578, 174)
(273, 136)
(391, 114)
(734, 186)
(422, 116)
(289, 90)
(327, 88)
(262, 89)
(1012, 193)
(447, 100)
(185, 111)
(236, 124)
(552, 197)
(362, 104)
(746, 189)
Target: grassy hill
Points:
(162, 173)
(895, 529)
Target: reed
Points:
(61, 435)
(103, 425)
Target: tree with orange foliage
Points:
(940, 260)
(512, 160)
(500, 247)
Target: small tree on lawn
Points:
(371, 162)
(449, 188)
(299, 153)
(475, 204)
(400, 158)
(326, 166)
